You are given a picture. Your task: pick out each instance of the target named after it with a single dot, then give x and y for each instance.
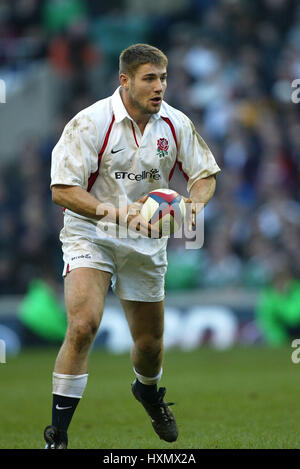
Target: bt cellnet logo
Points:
(152, 174)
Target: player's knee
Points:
(81, 333)
(149, 345)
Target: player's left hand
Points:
(136, 222)
(190, 212)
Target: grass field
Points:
(240, 398)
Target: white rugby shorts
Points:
(136, 275)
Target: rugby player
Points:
(121, 147)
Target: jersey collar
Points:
(119, 109)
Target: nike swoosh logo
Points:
(62, 408)
(117, 151)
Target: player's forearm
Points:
(79, 201)
(203, 190)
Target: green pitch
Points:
(240, 398)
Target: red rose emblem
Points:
(162, 144)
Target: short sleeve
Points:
(194, 156)
(75, 154)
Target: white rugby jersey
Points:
(103, 150)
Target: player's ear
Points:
(124, 80)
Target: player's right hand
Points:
(136, 222)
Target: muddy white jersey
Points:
(103, 151)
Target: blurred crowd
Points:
(231, 68)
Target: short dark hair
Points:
(139, 54)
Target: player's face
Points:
(147, 87)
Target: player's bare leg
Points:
(146, 323)
(85, 291)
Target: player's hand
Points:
(136, 222)
(190, 212)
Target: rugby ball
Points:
(165, 210)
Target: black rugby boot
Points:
(162, 418)
(55, 439)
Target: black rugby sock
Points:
(148, 392)
(63, 408)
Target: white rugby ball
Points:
(165, 210)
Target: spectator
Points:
(278, 310)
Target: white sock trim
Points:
(69, 385)
(148, 380)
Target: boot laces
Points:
(163, 406)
